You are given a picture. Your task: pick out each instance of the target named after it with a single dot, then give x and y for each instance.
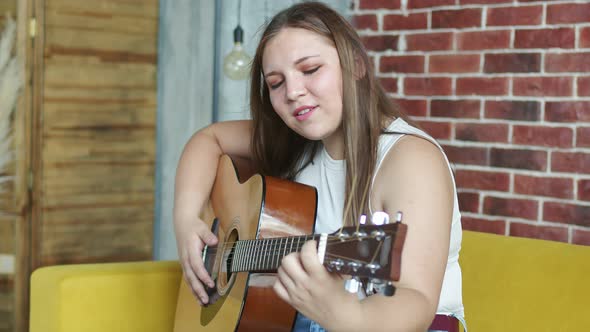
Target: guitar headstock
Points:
(371, 251)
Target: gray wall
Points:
(191, 93)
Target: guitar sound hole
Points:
(225, 276)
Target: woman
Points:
(320, 117)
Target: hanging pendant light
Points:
(236, 64)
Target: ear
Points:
(360, 69)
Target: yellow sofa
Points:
(509, 284)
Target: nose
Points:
(295, 89)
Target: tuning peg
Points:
(398, 216)
(389, 289)
(352, 285)
(380, 218)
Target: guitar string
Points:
(331, 240)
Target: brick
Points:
(401, 22)
(584, 190)
(568, 13)
(543, 86)
(461, 18)
(379, 4)
(512, 63)
(566, 213)
(584, 86)
(509, 16)
(454, 63)
(513, 110)
(518, 159)
(545, 38)
(481, 132)
(567, 62)
(468, 202)
(581, 237)
(488, 86)
(429, 41)
(496, 181)
(389, 84)
(558, 137)
(551, 233)
(483, 2)
(544, 186)
(583, 137)
(380, 43)
(413, 4)
(483, 40)
(438, 130)
(455, 108)
(428, 86)
(510, 207)
(467, 155)
(571, 162)
(585, 37)
(567, 111)
(365, 22)
(412, 107)
(484, 225)
(402, 64)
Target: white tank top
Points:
(327, 175)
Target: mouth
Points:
(300, 111)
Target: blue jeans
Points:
(304, 324)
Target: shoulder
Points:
(414, 165)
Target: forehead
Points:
(291, 44)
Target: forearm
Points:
(407, 310)
(195, 176)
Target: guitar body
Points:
(261, 207)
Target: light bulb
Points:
(236, 64)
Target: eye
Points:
(311, 71)
(275, 85)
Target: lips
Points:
(302, 110)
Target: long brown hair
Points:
(279, 151)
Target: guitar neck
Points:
(265, 255)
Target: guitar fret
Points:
(277, 253)
(285, 249)
(251, 255)
(241, 256)
(264, 251)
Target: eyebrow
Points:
(298, 61)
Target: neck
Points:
(265, 254)
(334, 144)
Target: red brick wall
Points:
(505, 87)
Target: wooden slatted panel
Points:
(98, 130)
(7, 217)
(7, 249)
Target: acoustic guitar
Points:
(258, 220)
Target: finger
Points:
(286, 280)
(291, 265)
(206, 235)
(310, 260)
(281, 291)
(195, 285)
(197, 265)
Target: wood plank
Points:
(98, 131)
(7, 234)
(120, 235)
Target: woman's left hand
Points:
(306, 285)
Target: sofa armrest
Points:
(138, 296)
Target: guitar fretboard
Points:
(265, 254)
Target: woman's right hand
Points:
(195, 177)
(191, 239)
